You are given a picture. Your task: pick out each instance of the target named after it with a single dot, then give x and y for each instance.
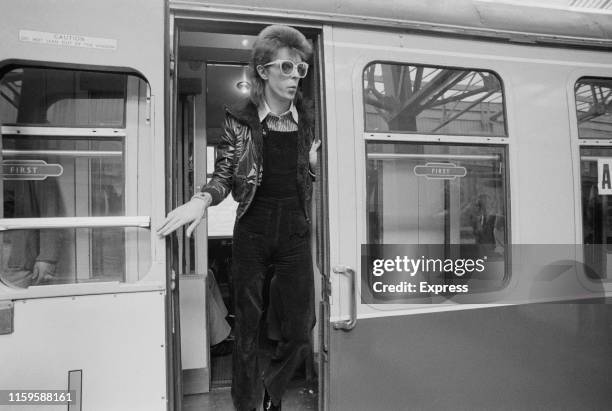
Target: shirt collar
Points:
(263, 110)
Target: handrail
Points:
(63, 131)
(397, 156)
(349, 324)
(63, 153)
(73, 222)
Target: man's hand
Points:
(42, 271)
(312, 155)
(190, 212)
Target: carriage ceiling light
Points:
(243, 86)
(245, 42)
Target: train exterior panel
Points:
(100, 334)
(478, 129)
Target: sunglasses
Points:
(288, 67)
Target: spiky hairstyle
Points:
(268, 42)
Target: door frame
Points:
(180, 18)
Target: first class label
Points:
(445, 171)
(67, 40)
(29, 170)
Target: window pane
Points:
(62, 256)
(433, 100)
(440, 194)
(594, 107)
(63, 177)
(75, 172)
(66, 98)
(596, 211)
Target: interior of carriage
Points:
(212, 73)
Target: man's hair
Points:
(268, 42)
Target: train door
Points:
(423, 153)
(411, 166)
(211, 59)
(82, 276)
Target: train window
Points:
(441, 194)
(72, 255)
(64, 98)
(596, 210)
(76, 185)
(594, 107)
(432, 100)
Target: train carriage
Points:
(474, 128)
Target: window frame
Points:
(433, 66)
(143, 117)
(579, 143)
(440, 139)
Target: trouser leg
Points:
(294, 302)
(248, 272)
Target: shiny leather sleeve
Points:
(220, 184)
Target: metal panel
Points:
(532, 357)
(521, 23)
(193, 320)
(117, 340)
(457, 356)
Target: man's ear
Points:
(261, 70)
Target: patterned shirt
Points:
(287, 121)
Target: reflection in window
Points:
(49, 173)
(221, 218)
(437, 100)
(594, 107)
(67, 98)
(62, 256)
(596, 213)
(440, 194)
(91, 182)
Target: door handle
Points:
(349, 324)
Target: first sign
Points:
(30, 170)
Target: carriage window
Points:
(441, 194)
(594, 108)
(74, 144)
(64, 98)
(596, 185)
(432, 100)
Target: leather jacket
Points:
(239, 164)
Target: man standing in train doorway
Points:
(268, 159)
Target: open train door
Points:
(83, 275)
